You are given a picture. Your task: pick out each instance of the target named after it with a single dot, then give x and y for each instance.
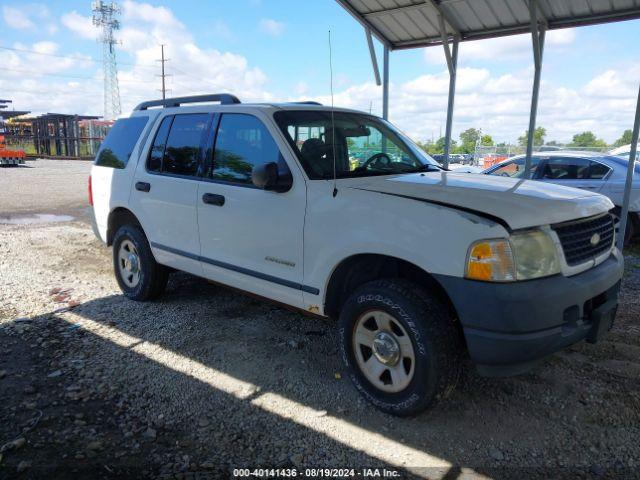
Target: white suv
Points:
(337, 213)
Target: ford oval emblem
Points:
(595, 239)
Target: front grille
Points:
(576, 238)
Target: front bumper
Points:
(509, 327)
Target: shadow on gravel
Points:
(252, 385)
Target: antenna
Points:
(333, 122)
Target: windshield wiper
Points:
(427, 167)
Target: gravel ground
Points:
(206, 380)
(53, 185)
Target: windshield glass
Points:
(364, 145)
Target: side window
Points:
(184, 144)
(243, 141)
(154, 163)
(515, 168)
(566, 168)
(597, 171)
(117, 148)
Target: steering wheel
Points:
(374, 159)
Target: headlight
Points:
(536, 255)
(522, 256)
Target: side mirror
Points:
(266, 176)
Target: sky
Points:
(277, 50)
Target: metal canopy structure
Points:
(404, 24)
(415, 23)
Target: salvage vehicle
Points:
(422, 268)
(605, 174)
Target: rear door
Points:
(574, 172)
(112, 171)
(166, 186)
(251, 238)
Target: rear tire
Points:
(138, 274)
(400, 346)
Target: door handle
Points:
(143, 186)
(213, 199)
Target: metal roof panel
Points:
(414, 23)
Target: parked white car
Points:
(420, 266)
(624, 152)
(605, 174)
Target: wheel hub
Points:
(386, 348)
(131, 263)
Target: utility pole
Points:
(163, 75)
(104, 18)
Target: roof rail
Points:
(223, 98)
(308, 102)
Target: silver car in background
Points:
(605, 174)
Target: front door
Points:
(251, 238)
(164, 194)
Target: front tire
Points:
(400, 346)
(138, 274)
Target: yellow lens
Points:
(491, 260)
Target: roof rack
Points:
(308, 102)
(223, 98)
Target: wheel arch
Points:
(120, 216)
(359, 269)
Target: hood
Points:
(518, 203)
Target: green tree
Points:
(439, 146)
(625, 139)
(587, 139)
(468, 140)
(538, 137)
(486, 141)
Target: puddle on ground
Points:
(33, 219)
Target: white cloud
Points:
(74, 85)
(16, 18)
(271, 27)
(500, 104)
(80, 25)
(514, 47)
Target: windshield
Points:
(364, 145)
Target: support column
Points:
(453, 66)
(630, 170)
(385, 84)
(537, 36)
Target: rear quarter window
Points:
(117, 147)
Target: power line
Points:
(81, 77)
(71, 57)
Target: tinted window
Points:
(515, 168)
(154, 164)
(242, 142)
(598, 171)
(117, 147)
(182, 152)
(566, 168)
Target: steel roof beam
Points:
(441, 12)
(374, 58)
(362, 21)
